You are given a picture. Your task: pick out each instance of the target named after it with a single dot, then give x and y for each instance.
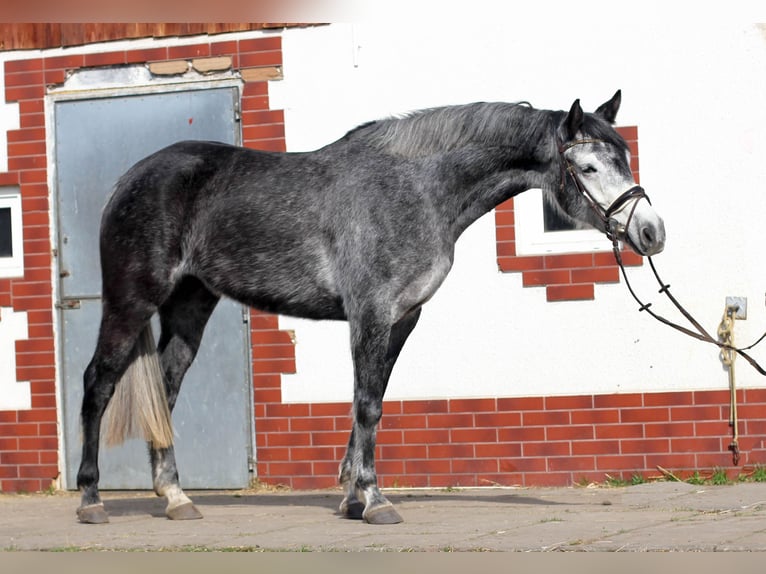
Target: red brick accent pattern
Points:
(566, 277)
(531, 441)
(29, 439)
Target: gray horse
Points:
(361, 230)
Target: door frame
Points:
(114, 83)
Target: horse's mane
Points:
(515, 125)
(424, 132)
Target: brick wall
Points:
(29, 439)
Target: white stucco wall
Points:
(696, 94)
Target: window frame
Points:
(13, 266)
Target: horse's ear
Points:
(608, 110)
(573, 121)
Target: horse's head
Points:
(596, 185)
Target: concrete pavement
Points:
(659, 516)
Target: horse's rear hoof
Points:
(352, 510)
(92, 514)
(382, 515)
(185, 511)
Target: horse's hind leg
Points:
(375, 348)
(182, 318)
(117, 337)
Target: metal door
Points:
(96, 140)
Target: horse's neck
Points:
(476, 181)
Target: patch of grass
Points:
(719, 477)
(759, 474)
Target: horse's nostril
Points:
(648, 236)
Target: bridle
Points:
(614, 232)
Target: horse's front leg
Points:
(375, 349)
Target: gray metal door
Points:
(96, 141)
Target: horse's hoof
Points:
(92, 514)
(186, 511)
(352, 510)
(382, 515)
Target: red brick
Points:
(266, 145)
(291, 469)
(643, 446)
(549, 277)
(478, 465)
(711, 397)
(620, 462)
(68, 62)
(599, 447)
(384, 437)
(426, 436)
(570, 292)
(568, 261)
(545, 418)
(569, 402)
(520, 404)
(595, 416)
(147, 55)
(464, 450)
(274, 366)
(288, 410)
(263, 321)
(702, 444)
(313, 424)
(695, 413)
(105, 59)
(193, 51)
(29, 78)
(473, 435)
(450, 420)
(617, 400)
(38, 415)
(330, 409)
(646, 414)
(270, 338)
(224, 48)
(570, 432)
(472, 405)
(260, 44)
(327, 438)
(570, 463)
(30, 65)
(504, 217)
(433, 406)
(506, 249)
(263, 132)
(525, 464)
(437, 466)
(267, 395)
(403, 421)
(505, 234)
(288, 439)
(263, 117)
(260, 59)
(547, 448)
(498, 450)
(311, 453)
(628, 133)
(405, 452)
(677, 398)
(668, 430)
(21, 458)
(596, 275)
(620, 431)
(521, 263)
(38, 443)
(497, 419)
(521, 434)
(266, 454)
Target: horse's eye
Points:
(589, 169)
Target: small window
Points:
(540, 233)
(11, 244)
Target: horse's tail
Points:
(139, 406)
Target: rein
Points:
(613, 232)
